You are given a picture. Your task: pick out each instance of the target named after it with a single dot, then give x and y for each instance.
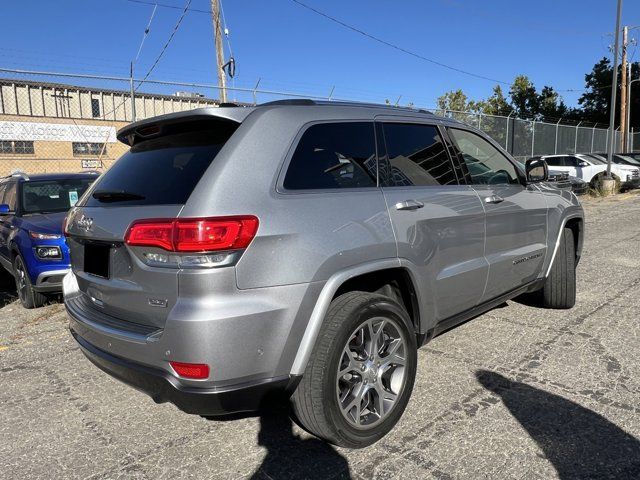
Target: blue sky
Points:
(555, 42)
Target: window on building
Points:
(417, 156)
(82, 148)
(95, 107)
(19, 147)
(334, 155)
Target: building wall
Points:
(30, 111)
(66, 101)
(58, 156)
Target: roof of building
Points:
(66, 86)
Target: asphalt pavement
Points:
(519, 392)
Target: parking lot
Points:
(519, 392)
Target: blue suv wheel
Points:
(26, 293)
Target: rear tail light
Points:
(196, 371)
(194, 234)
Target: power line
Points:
(155, 63)
(146, 32)
(414, 54)
(166, 5)
(164, 48)
(396, 47)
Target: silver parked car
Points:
(309, 248)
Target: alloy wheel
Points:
(371, 372)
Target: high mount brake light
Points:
(194, 234)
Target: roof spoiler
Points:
(156, 126)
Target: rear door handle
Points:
(493, 199)
(409, 205)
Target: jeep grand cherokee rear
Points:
(153, 295)
(309, 248)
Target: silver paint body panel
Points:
(259, 318)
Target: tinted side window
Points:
(485, 163)
(10, 196)
(554, 161)
(334, 155)
(417, 155)
(571, 161)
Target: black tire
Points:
(559, 290)
(26, 293)
(315, 402)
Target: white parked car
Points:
(592, 169)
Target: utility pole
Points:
(623, 92)
(217, 31)
(614, 93)
(133, 94)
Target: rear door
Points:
(439, 224)
(151, 181)
(516, 215)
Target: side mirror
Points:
(582, 163)
(537, 170)
(4, 209)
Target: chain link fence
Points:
(53, 122)
(527, 138)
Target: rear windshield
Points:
(52, 196)
(162, 171)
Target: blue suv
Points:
(32, 245)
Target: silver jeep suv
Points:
(308, 248)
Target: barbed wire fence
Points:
(66, 122)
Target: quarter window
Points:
(334, 155)
(485, 163)
(10, 196)
(417, 156)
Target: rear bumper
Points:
(163, 387)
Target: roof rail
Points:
(19, 174)
(339, 103)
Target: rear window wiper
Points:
(116, 196)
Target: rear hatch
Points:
(153, 180)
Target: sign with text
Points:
(61, 132)
(91, 164)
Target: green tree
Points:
(524, 98)
(550, 104)
(455, 100)
(595, 100)
(497, 104)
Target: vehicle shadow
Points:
(289, 455)
(8, 292)
(532, 299)
(577, 441)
